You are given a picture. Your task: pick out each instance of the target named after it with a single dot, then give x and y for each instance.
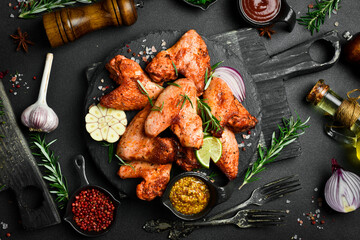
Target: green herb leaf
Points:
(111, 150)
(185, 97)
(56, 180)
(2, 186)
(174, 84)
(210, 122)
(159, 109)
(33, 7)
(176, 71)
(123, 163)
(288, 135)
(208, 79)
(143, 91)
(316, 16)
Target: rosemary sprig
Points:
(176, 71)
(315, 17)
(143, 91)
(183, 100)
(288, 134)
(111, 150)
(123, 163)
(208, 79)
(157, 108)
(174, 84)
(30, 9)
(57, 181)
(210, 122)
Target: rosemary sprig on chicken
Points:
(210, 122)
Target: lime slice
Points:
(211, 149)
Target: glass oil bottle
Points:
(328, 101)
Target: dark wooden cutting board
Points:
(19, 172)
(99, 77)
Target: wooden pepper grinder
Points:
(68, 24)
(352, 48)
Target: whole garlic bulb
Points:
(39, 116)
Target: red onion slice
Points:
(233, 79)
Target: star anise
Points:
(22, 40)
(266, 31)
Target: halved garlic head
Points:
(105, 124)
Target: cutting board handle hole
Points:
(31, 197)
(321, 51)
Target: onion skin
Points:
(234, 80)
(342, 190)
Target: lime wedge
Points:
(211, 149)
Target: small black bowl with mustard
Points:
(191, 195)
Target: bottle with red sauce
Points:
(259, 13)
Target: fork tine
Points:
(281, 194)
(268, 189)
(279, 181)
(281, 189)
(264, 224)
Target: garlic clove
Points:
(90, 118)
(108, 118)
(94, 110)
(113, 121)
(112, 136)
(102, 109)
(104, 132)
(90, 127)
(119, 128)
(118, 114)
(96, 135)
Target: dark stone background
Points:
(66, 96)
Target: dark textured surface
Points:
(67, 90)
(19, 172)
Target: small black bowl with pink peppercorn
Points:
(91, 210)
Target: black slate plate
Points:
(99, 79)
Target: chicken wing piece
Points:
(187, 125)
(227, 108)
(190, 56)
(128, 96)
(186, 159)
(229, 160)
(156, 178)
(135, 145)
(179, 110)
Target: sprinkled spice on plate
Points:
(189, 195)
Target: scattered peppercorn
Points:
(243, 149)
(18, 86)
(8, 235)
(93, 210)
(322, 221)
(11, 91)
(34, 77)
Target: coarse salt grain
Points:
(100, 87)
(288, 201)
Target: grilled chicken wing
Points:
(135, 145)
(190, 56)
(179, 113)
(156, 177)
(229, 160)
(186, 159)
(128, 96)
(227, 108)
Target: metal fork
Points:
(266, 193)
(246, 219)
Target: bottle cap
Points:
(317, 92)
